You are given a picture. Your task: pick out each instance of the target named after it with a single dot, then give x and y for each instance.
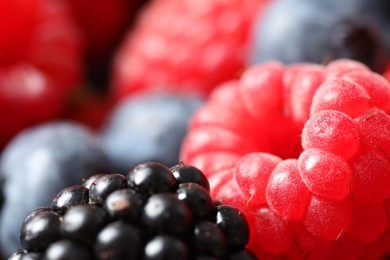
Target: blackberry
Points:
(155, 212)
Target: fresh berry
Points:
(37, 163)
(103, 24)
(66, 249)
(319, 32)
(147, 128)
(302, 150)
(40, 62)
(206, 44)
(176, 221)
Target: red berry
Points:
(40, 62)
(303, 151)
(286, 194)
(159, 51)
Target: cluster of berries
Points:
(303, 151)
(154, 212)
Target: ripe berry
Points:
(165, 247)
(150, 178)
(118, 240)
(155, 218)
(39, 231)
(152, 57)
(67, 249)
(302, 151)
(69, 197)
(104, 185)
(136, 220)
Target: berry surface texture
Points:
(303, 151)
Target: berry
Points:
(118, 240)
(40, 62)
(69, 197)
(66, 249)
(190, 174)
(40, 161)
(302, 151)
(151, 177)
(39, 231)
(165, 247)
(152, 57)
(104, 185)
(320, 32)
(174, 221)
(147, 127)
(155, 218)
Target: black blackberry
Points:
(152, 213)
(187, 173)
(69, 197)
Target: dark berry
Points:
(37, 164)
(244, 254)
(82, 223)
(197, 198)
(151, 177)
(35, 212)
(165, 213)
(32, 256)
(104, 185)
(209, 239)
(165, 247)
(18, 254)
(118, 240)
(68, 197)
(67, 249)
(158, 125)
(124, 204)
(87, 182)
(187, 173)
(234, 225)
(39, 231)
(322, 31)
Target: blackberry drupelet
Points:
(155, 212)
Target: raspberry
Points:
(303, 152)
(154, 212)
(40, 62)
(153, 57)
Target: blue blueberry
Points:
(40, 162)
(147, 127)
(320, 31)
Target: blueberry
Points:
(147, 128)
(40, 162)
(320, 31)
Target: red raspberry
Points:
(185, 46)
(303, 150)
(40, 62)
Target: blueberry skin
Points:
(40, 162)
(148, 127)
(318, 31)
